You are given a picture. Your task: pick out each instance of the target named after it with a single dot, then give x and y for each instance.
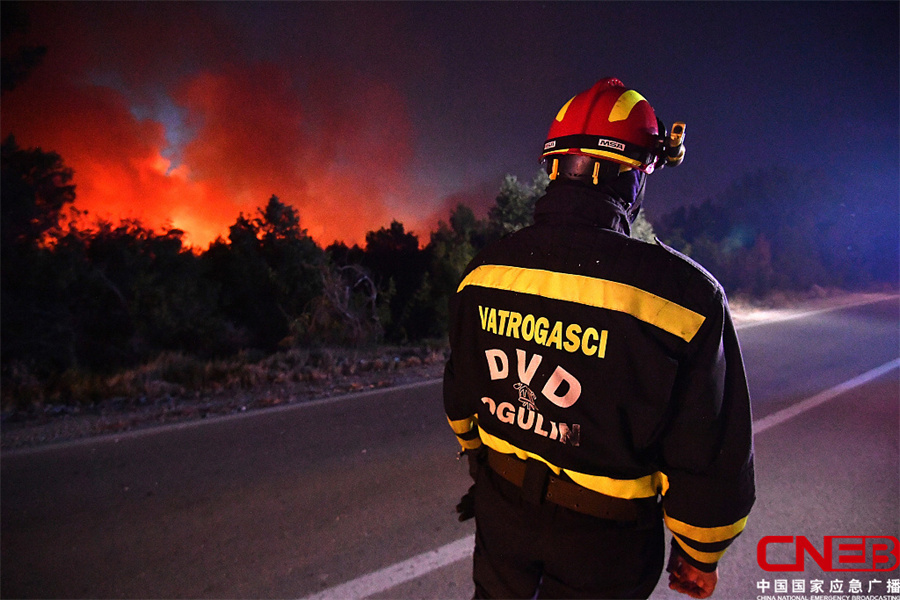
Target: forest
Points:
(91, 301)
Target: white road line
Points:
(427, 562)
(813, 401)
(401, 572)
(152, 430)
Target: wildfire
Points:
(337, 152)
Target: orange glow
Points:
(341, 163)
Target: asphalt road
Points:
(296, 500)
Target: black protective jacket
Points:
(612, 360)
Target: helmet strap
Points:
(554, 170)
(584, 169)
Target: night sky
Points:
(187, 114)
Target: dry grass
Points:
(174, 375)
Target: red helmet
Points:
(608, 122)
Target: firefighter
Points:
(596, 383)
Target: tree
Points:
(36, 189)
(514, 206)
(641, 229)
(268, 274)
(453, 245)
(789, 230)
(346, 313)
(295, 260)
(173, 306)
(398, 266)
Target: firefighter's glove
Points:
(466, 507)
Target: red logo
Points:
(839, 553)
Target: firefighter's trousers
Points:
(542, 550)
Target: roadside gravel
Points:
(60, 423)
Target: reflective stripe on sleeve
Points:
(704, 557)
(469, 444)
(705, 535)
(462, 425)
(466, 431)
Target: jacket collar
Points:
(574, 204)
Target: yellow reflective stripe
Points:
(706, 535)
(644, 487)
(663, 484)
(462, 426)
(504, 447)
(629, 489)
(469, 444)
(562, 112)
(622, 108)
(590, 291)
(704, 557)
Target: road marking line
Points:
(813, 401)
(401, 572)
(426, 562)
(152, 430)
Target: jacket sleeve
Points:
(461, 411)
(463, 420)
(707, 452)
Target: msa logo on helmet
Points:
(551, 144)
(604, 143)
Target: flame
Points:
(336, 149)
